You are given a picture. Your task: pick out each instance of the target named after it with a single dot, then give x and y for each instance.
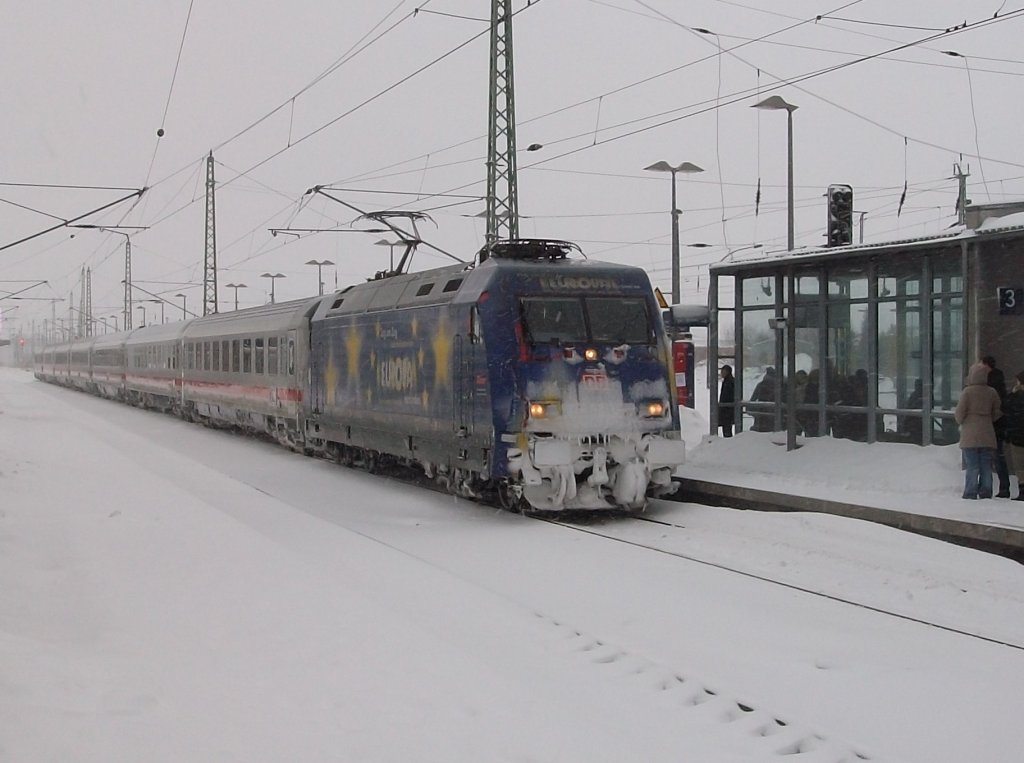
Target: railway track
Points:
(655, 541)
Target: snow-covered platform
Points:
(903, 486)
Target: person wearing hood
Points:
(1013, 414)
(976, 412)
(997, 381)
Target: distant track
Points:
(608, 535)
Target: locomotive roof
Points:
(452, 282)
(426, 287)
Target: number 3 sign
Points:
(1011, 300)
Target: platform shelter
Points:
(870, 342)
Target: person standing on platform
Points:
(997, 381)
(976, 413)
(726, 401)
(764, 392)
(1013, 413)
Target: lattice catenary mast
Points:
(502, 204)
(210, 269)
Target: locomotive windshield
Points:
(571, 320)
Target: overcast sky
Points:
(390, 107)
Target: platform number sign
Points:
(1011, 300)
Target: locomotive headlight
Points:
(653, 409)
(590, 354)
(543, 410)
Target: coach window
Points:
(291, 356)
(215, 357)
(235, 354)
(225, 356)
(452, 285)
(272, 356)
(206, 356)
(259, 355)
(246, 356)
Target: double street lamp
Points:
(685, 167)
(273, 281)
(236, 287)
(391, 245)
(319, 270)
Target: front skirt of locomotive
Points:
(610, 472)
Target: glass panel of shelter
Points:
(873, 331)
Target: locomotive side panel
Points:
(401, 382)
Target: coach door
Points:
(318, 354)
(467, 347)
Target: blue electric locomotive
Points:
(532, 377)
(542, 378)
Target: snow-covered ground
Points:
(172, 593)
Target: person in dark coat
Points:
(809, 419)
(1013, 414)
(764, 392)
(976, 411)
(913, 426)
(726, 401)
(997, 381)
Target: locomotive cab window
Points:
(554, 320)
(618, 320)
(572, 320)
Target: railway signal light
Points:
(840, 215)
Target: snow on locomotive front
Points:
(579, 365)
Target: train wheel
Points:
(371, 461)
(510, 497)
(345, 456)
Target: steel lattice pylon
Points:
(128, 306)
(210, 269)
(89, 328)
(502, 204)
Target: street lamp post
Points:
(119, 229)
(184, 311)
(236, 287)
(666, 167)
(143, 309)
(273, 281)
(391, 245)
(319, 270)
(776, 102)
(114, 319)
(161, 303)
